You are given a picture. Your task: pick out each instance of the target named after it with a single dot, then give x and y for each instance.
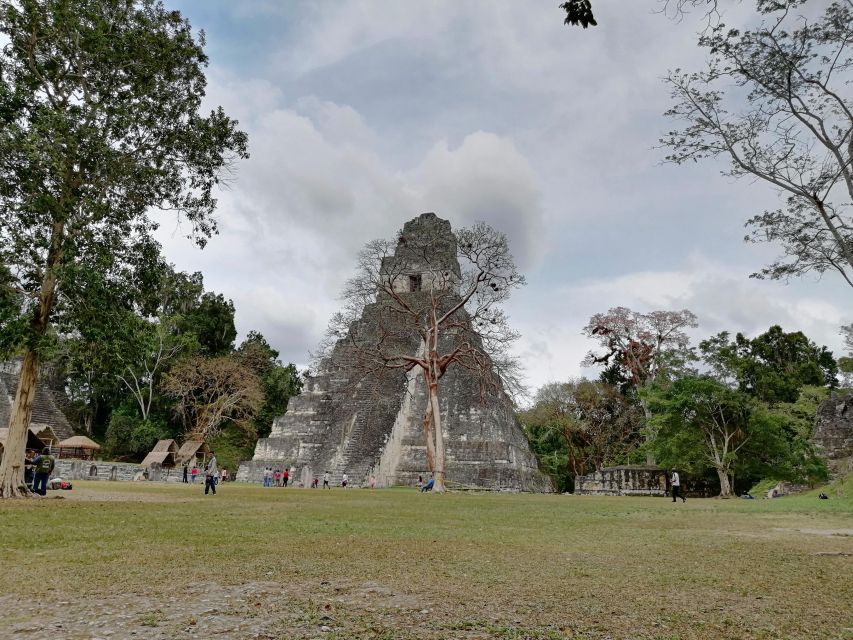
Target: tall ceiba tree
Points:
(100, 121)
(640, 347)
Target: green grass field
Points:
(154, 561)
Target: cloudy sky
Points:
(362, 114)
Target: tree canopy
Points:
(100, 124)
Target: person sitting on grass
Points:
(428, 486)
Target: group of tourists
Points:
(37, 470)
(279, 478)
(192, 472)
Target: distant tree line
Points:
(158, 362)
(730, 413)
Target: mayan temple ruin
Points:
(362, 423)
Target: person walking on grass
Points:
(675, 481)
(186, 471)
(44, 465)
(326, 481)
(211, 473)
(194, 473)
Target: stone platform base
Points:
(624, 480)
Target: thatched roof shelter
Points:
(165, 445)
(79, 447)
(163, 458)
(33, 441)
(191, 450)
(45, 433)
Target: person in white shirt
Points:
(344, 481)
(211, 475)
(675, 483)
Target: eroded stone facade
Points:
(833, 433)
(346, 421)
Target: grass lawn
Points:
(125, 560)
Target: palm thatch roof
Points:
(45, 433)
(165, 445)
(79, 442)
(33, 441)
(191, 448)
(163, 458)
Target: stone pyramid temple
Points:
(46, 406)
(347, 421)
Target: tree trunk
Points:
(428, 435)
(725, 485)
(439, 471)
(12, 467)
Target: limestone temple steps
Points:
(45, 409)
(335, 425)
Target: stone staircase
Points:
(45, 409)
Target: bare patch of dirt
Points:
(844, 533)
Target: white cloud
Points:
(363, 114)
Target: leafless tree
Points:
(141, 377)
(775, 100)
(642, 345)
(427, 302)
(213, 391)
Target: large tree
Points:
(591, 423)
(641, 347)
(700, 422)
(427, 302)
(100, 122)
(280, 383)
(773, 366)
(774, 101)
(213, 391)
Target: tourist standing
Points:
(186, 471)
(29, 468)
(285, 477)
(277, 477)
(420, 482)
(315, 482)
(371, 481)
(326, 481)
(224, 474)
(194, 473)
(292, 476)
(344, 480)
(211, 474)
(675, 481)
(44, 465)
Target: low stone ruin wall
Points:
(626, 480)
(117, 471)
(95, 470)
